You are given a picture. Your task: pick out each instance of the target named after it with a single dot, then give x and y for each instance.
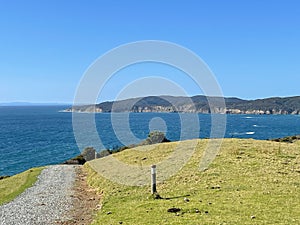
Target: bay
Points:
(33, 136)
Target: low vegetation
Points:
(77, 160)
(249, 182)
(289, 139)
(89, 153)
(11, 187)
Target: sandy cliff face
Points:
(190, 110)
(261, 112)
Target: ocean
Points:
(32, 136)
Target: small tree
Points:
(155, 137)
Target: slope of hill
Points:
(196, 104)
(250, 182)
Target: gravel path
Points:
(47, 202)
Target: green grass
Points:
(248, 178)
(13, 186)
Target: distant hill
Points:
(32, 104)
(196, 104)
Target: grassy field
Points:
(249, 182)
(13, 186)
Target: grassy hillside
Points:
(13, 186)
(250, 182)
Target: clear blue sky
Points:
(253, 47)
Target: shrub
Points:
(155, 137)
(104, 153)
(88, 153)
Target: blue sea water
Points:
(41, 135)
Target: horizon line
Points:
(24, 103)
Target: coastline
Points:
(196, 104)
(261, 161)
(182, 112)
(79, 159)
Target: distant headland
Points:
(195, 104)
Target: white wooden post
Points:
(153, 179)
